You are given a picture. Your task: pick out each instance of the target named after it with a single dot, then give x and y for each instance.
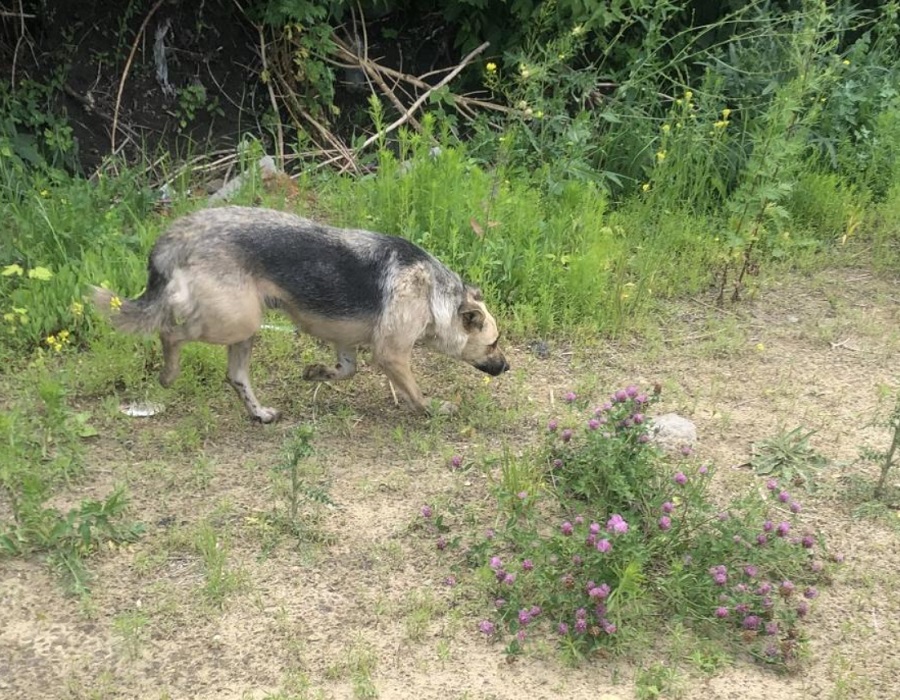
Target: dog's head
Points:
(482, 336)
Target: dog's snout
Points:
(494, 366)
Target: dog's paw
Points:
(267, 415)
(318, 373)
(442, 408)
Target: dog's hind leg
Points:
(171, 347)
(239, 378)
(344, 369)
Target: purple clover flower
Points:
(535, 611)
(524, 616)
(566, 435)
(594, 528)
(521, 636)
(786, 589)
(817, 567)
(764, 588)
(704, 470)
(721, 612)
(772, 484)
(643, 438)
(768, 526)
(580, 614)
(808, 542)
(680, 479)
(528, 565)
(609, 627)
(566, 528)
(579, 520)
(486, 627)
(557, 464)
(751, 570)
(802, 608)
(638, 418)
(631, 391)
(581, 626)
(742, 608)
(795, 507)
(456, 462)
(665, 522)
(563, 629)
(751, 622)
(509, 579)
(620, 396)
(570, 396)
(441, 543)
(771, 628)
(427, 512)
(496, 563)
(761, 539)
(616, 524)
(783, 529)
(552, 425)
(668, 507)
(686, 450)
(599, 592)
(784, 497)
(604, 546)
(593, 424)
(810, 593)
(499, 603)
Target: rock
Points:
(672, 432)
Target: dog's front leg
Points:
(239, 378)
(400, 375)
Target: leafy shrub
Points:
(631, 535)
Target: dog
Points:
(213, 273)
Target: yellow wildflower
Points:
(524, 70)
(45, 193)
(726, 113)
(688, 95)
(578, 30)
(666, 128)
(645, 187)
(491, 67)
(846, 62)
(660, 156)
(115, 303)
(77, 309)
(721, 124)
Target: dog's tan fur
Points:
(210, 295)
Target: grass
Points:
(206, 568)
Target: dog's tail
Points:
(147, 313)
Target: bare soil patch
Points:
(359, 604)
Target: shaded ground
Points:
(358, 604)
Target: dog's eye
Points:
(493, 346)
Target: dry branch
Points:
(419, 102)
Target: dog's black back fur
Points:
(324, 274)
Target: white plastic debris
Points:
(141, 409)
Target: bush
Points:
(630, 535)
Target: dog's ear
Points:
(472, 316)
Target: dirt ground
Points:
(359, 606)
